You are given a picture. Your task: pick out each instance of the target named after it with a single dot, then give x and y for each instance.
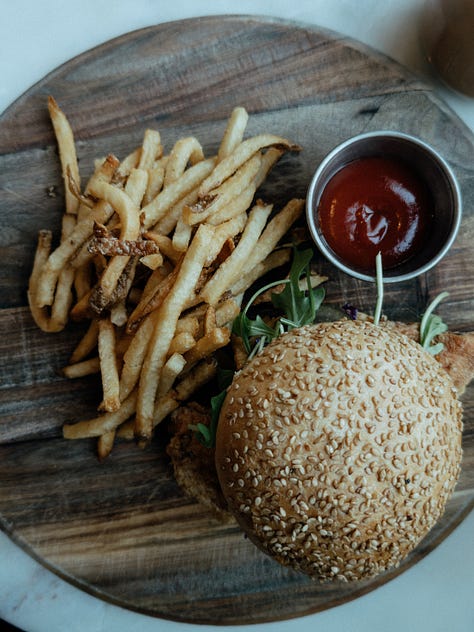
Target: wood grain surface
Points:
(122, 529)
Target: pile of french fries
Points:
(156, 252)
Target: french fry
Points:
(171, 369)
(195, 378)
(188, 385)
(216, 339)
(168, 315)
(87, 343)
(122, 203)
(185, 150)
(183, 341)
(152, 300)
(152, 261)
(162, 247)
(40, 315)
(187, 324)
(155, 210)
(105, 444)
(67, 153)
(181, 236)
(274, 260)
(151, 149)
(126, 165)
(68, 247)
(163, 407)
(118, 313)
(156, 178)
(232, 188)
(81, 369)
(227, 311)
(102, 424)
(234, 133)
(231, 268)
(236, 207)
(175, 213)
(135, 355)
(165, 244)
(223, 232)
(239, 156)
(108, 366)
(210, 321)
(274, 231)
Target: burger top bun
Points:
(337, 448)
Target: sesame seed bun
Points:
(338, 447)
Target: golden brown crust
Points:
(193, 464)
(457, 356)
(338, 447)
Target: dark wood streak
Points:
(123, 530)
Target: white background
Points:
(437, 594)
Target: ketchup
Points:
(375, 205)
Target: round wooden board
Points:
(122, 529)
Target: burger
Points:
(338, 447)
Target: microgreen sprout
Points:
(432, 325)
(379, 283)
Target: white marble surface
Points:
(436, 595)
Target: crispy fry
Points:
(231, 268)
(240, 354)
(162, 247)
(232, 188)
(195, 378)
(227, 311)
(216, 339)
(103, 423)
(152, 261)
(108, 366)
(126, 165)
(171, 369)
(68, 247)
(105, 443)
(185, 150)
(40, 315)
(165, 245)
(210, 322)
(234, 133)
(274, 231)
(274, 260)
(155, 210)
(239, 156)
(183, 341)
(188, 324)
(67, 153)
(151, 301)
(135, 355)
(151, 149)
(83, 368)
(182, 236)
(87, 343)
(169, 221)
(168, 315)
(236, 207)
(226, 230)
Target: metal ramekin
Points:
(428, 164)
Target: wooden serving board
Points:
(122, 529)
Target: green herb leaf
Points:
(299, 306)
(432, 325)
(207, 434)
